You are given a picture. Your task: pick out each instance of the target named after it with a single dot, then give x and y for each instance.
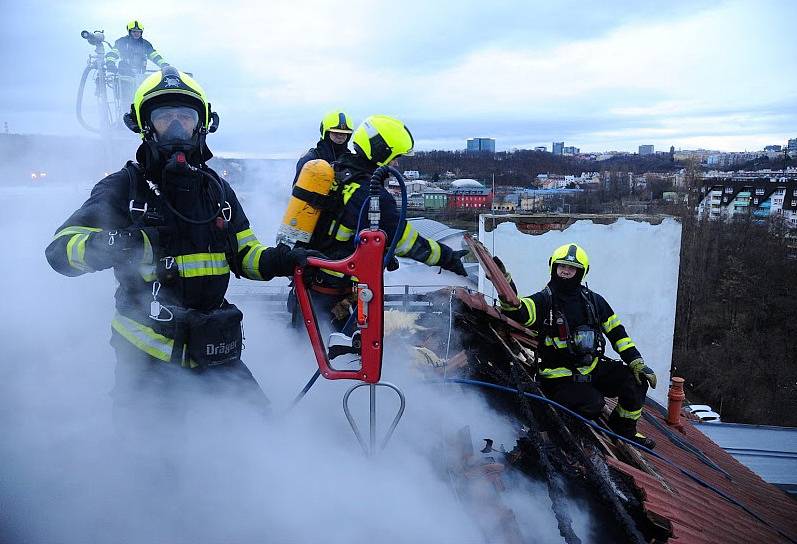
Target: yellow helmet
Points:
(336, 121)
(169, 87)
(572, 255)
(381, 139)
(135, 25)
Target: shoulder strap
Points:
(137, 193)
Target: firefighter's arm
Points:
(615, 331)
(154, 56)
(257, 261)
(412, 244)
(532, 309)
(96, 236)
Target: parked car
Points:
(703, 412)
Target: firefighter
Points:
(572, 320)
(173, 231)
(377, 142)
(132, 52)
(334, 143)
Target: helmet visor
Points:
(174, 123)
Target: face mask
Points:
(174, 124)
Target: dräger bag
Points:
(213, 337)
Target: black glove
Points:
(288, 259)
(393, 264)
(110, 66)
(453, 262)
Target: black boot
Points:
(626, 428)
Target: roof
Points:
(461, 183)
(697, 514)
(771, 452)
(434, 230)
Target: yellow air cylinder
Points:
(304, 207)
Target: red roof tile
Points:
(699, 515)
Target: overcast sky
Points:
(597, 75)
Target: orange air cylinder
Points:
(304, 207)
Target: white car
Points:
(704, 413)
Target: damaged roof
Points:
(678, 501)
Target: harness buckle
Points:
(578, 377)
(132, 208)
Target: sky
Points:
(712, 74)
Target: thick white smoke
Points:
(230, 475)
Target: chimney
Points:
(676, 397)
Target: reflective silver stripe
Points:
(407, 240)
(202, 264)
(76, 252)
(251, 261)
(611, 323)
(148, 255)
(344, 234)
(143, 337)
(245, 238)
(434, 256)
(623, 344)
(554, 372)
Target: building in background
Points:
(775, 148)
(792, 146)
(646, 150)
(476, 145)
(469, 193)
(541, 148)
(435, 199)
(570, 150)
(557, 148)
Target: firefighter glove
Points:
(288, 259)
(641, 370)
(453, 262)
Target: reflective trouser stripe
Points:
(245, 238)
(251, 261)
(147, 340)
(434, 255)
(531, 308)
(628, 414)
(407, 240)
(202, 264)
(623, 344)
(144, 338)
(344, 234)
(611, 323)
(562, 372)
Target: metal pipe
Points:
(675, 397)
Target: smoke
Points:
(224, 473)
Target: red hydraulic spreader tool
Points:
(366, 265)
(366, 269)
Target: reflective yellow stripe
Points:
(251, 261)
(348, 191)
(202, 264)
(344, 234)
(76, 252)
(434, 256)
(148, 254)
(628, 414)
(611, 323)
(623, 344)
(531, 308)
(333, 273)
(560, 344)
(587, 369)
(75, 230)
(245, 238)
(560, 372)
(147, 340)
(407, 240)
